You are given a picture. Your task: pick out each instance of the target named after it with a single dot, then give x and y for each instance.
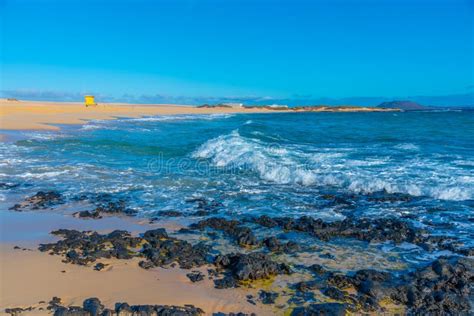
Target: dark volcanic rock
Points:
(347, 200)
(327, 255)
(115, 208)
(226, 282)
(195, 276)
(267, 297)
(86, 247)
(340, 281)
(170, 214)
(93, 307)
(251, 266)
(317, 268)
(469, 252)
(55, 302)
(155, 235)
(372, 283)
(202, 213)
(205, 207)
(156, 246)
(99, 266)
(372, 275)
(307, 286)
(334, 293)
(274, 245)
(88, 214)
(384, 196)
(17, 311)
(371, 287)
(333, 309)
(370, 230)
(162, 251)
(241, 234)
(40, 200)
(71, 311)
(266, 221)
(105, 204)
(443, 287)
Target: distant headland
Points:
(402, 105)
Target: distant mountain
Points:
(403, 105)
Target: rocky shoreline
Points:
(255, 260)
(93, 307)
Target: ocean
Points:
(416, 166)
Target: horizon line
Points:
(453, 100)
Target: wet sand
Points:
(30, 276)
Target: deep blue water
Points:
(277, 164)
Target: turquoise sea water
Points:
(414, 165)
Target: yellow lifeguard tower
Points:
(89, 100)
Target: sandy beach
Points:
(31, 115)
(122, 281)
(38, 115)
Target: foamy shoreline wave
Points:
(275, 163)
(114, 124)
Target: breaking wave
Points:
(344, 169)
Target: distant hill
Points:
(403, 105)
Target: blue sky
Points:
(341, 51)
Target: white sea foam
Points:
(368, 162)
(469, 163)
(408, 146)
(90, 126)
(43, 135)
(180, 117)
(42, 175)
(112, 124)
(294, 165)
(273, 164)
(454, 193)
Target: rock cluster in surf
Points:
(365, 229)
(244, 236)
(444, 286)
(40, 201)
